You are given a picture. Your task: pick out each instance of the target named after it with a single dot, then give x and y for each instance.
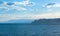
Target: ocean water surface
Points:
(29, 30)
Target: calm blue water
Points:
(29, 30)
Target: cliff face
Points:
(47, 21)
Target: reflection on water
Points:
(29, 30)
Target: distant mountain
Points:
(47, 21)
(20, 21)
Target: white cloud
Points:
(15, 5)
(25, 3)
(57, 5)
(7, 17)
(52, 5)
(18, 8)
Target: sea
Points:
(29, 30)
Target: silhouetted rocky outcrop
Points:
(47, 21)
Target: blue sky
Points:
(29, 9)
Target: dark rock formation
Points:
(47, 21)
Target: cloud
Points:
(18, 8)
(52, 5)
(7, 17)
(15, 5)
(10, 3)
(25, 3)
(11, 6)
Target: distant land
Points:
(47, 21)
(19, 21)
(54, 21)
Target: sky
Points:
(29, 9)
